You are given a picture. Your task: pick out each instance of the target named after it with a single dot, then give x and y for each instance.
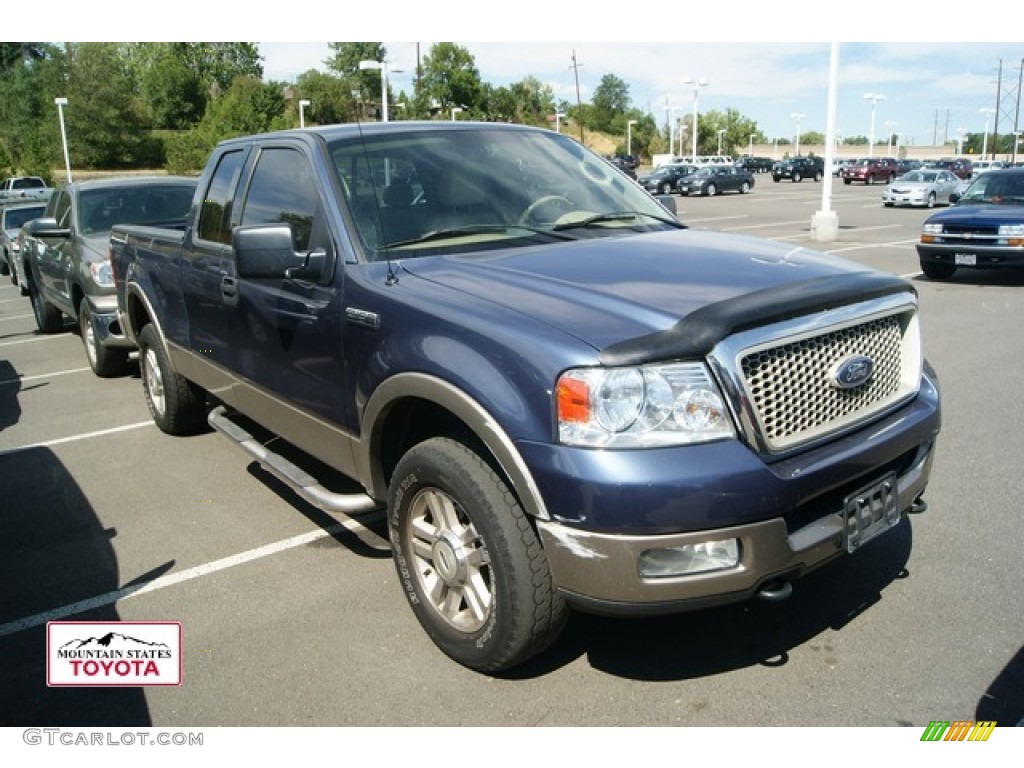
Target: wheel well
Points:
(412, 420)
(137, 315)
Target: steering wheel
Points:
(540, 202)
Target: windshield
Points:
(918, 176)
(431, 191)
(101, 209)
(16, 218)
(996, 188)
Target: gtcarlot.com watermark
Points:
(66, 737)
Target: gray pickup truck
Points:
(65, 263)
(24, 189)
(562, 395)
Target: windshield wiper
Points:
(474, 229)
(600, 218)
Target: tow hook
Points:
(776, 591)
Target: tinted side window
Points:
(283, 191)
(215, 213)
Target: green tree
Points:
(735, 138)
(330, 98)
(30, 141)
(450, 79)
(344, 62)
(609, 105)
(107, 125)
(249, 106)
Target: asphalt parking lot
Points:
(293, 618)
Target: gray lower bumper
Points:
(599, 572)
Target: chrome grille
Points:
(782, 380)
(789, 384)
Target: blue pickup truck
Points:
(983, 229)
(563, 397)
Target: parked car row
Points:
(708, 180)
(58, 253)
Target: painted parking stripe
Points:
(162, 582)
(22, 379)
(34, 339)
(75, 438)
(16, 317)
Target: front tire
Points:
(105, 363)
(797, 177)
(177, 405)
(931, 200)
(468, 559)
(744, 188)
(711, 190)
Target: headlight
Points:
(642, 407)
(101, 273)
(1011, 230)
(932, 229)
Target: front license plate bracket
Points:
(870, 512)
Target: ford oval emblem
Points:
(852, 372)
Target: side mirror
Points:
(47, 228)
(265, 251)
(667, 202)
(954, 198)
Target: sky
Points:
(929, 90)
(932, 85)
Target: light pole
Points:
(697, 85)
(671, 129)
(750, 146)
(383, 67)
(889, 124)
(720, 132)
(303, 103)
(558, 121)
(874, 98)
(629, 136)
(61, 102)
(455, 111)
(798, 116)
(984, 141)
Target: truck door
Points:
(286, 333)
(53, 257)
(204, 264)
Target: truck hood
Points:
(609, 291)
(975, 216)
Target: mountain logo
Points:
(113, 653)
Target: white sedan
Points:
(926, 186)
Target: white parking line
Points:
(75, 438)
(34, 339)
(15, 317)
(162, 582)
(22, 379)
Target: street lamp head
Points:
(60, 101)
(370, 64)
(874, 97)
(304, 102)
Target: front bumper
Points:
(965, 254)
(787, 517)
(106, 323)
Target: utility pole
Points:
(579, 105)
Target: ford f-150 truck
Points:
(66, 263)
(562, 396)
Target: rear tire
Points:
(177, 405)
(797, 177)
(711, 191)
(468, 559)
(48, 318)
